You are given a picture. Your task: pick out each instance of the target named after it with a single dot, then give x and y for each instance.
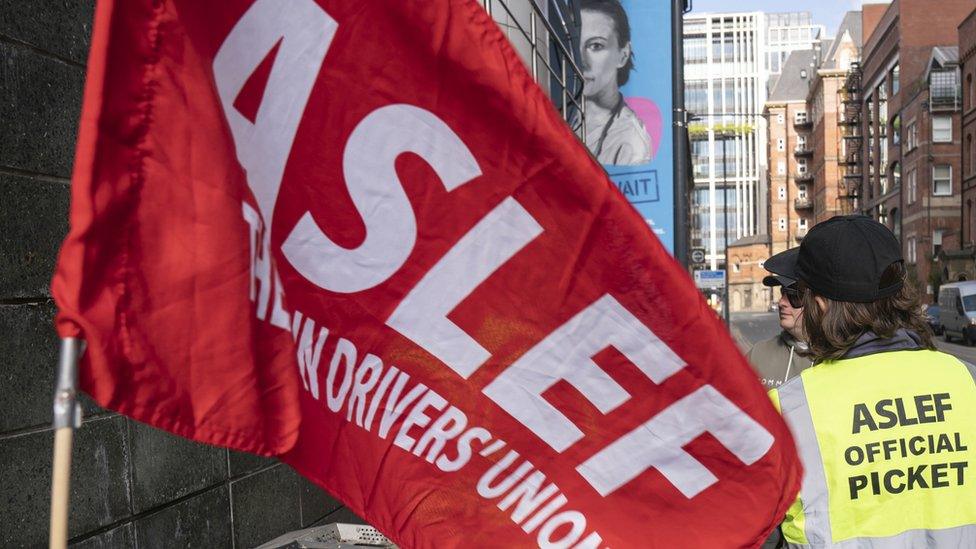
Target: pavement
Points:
(748, 328)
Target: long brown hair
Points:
(832, 330)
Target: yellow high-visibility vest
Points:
(888, 445)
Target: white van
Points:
(957, 302)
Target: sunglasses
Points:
(794, 295)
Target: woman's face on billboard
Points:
(602, 55)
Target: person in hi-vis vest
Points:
(885, 425)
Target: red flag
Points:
(357, 234)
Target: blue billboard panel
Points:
(625, 56)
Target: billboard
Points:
(625, 56)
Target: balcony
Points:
(802, 203)
(802, 122)
(803, 150)
(944, 91)
(852, 85)
(803, 177)
(853, 175)
(944, 100)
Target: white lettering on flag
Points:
(422, 315)
(658, 443)
(567, 354)
(368, 163)
(304, 32)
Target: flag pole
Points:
(67, 417)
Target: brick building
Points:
(909, 129)
(790, 148)
(828, 149)
(746, 291)
(959, 264)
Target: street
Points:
(748, 328)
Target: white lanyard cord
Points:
(789, 364)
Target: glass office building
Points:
(730, 60)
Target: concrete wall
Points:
(132, 486)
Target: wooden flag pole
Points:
(67, 417)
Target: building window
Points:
(780, 144)
(800, 117)
(696, 96)
(969, 92)
(911, 249)
(967, 155)
(912, 186)
(801, 165)
(942, 129)
(895, 129)
(782, 193)
(936, 242)
(782, 224)
(801, 141)
(781, 167)
(972, 155)
(944, 88)
(801, 191)
(895, 78)
(696, 50)
(942, 180)
(801, 225)
(968, 222)
(911, 136)
(780, 119)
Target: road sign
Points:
(697, 255)
(710, 279)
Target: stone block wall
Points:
(132, 485)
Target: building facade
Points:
(961, 266)
(805, 147)
(825, 105)
(786, 33)
(746, 291)
(729, 60)
(790, 152)
(910, 131)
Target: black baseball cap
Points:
(843, 259)
(778, 280)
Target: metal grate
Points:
(547, 38)
(331, 536)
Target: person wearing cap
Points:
(884, 424)
(779, 358)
